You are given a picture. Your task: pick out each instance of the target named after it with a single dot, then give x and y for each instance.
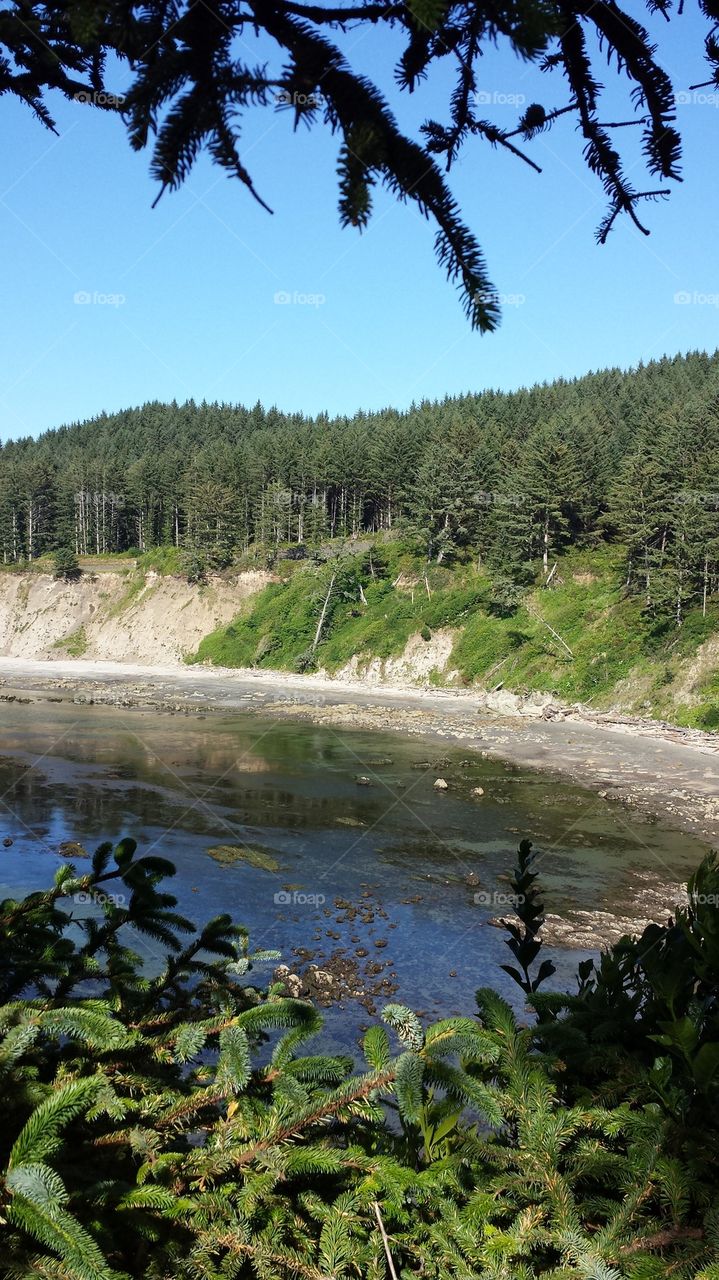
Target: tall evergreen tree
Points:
(548, 485)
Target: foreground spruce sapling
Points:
(524, 941)
(173, 1123)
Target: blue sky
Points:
(185, 294)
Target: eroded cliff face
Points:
(123, 613)
(126, 616)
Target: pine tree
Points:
(66, 564)
(548, 486)
(444, 501)
(639, 510)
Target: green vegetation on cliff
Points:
(581, 638)
(613, 458)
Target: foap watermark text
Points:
(296, 898)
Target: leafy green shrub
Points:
(506, 597)
(455, 602)
(306, 661)
(376, 564)
(708, 718)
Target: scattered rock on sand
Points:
(441, 784)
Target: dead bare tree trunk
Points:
(538, 618)
(323, 614)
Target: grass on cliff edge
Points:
(163, 560)
(612, 656)
(74, 644)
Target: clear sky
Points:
(195, 280)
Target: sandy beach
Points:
(657, 769)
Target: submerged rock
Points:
(292, 982)
(647, 901)
(441, 784)
(72, 849)
(320, 977)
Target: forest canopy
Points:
(192, 82)
(516, 478)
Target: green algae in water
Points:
(72, 849)
(254, 854)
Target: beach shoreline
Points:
(654, 768)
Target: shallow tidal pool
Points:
(349, 858)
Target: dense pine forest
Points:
(516, 479)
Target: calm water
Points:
(182, 785)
